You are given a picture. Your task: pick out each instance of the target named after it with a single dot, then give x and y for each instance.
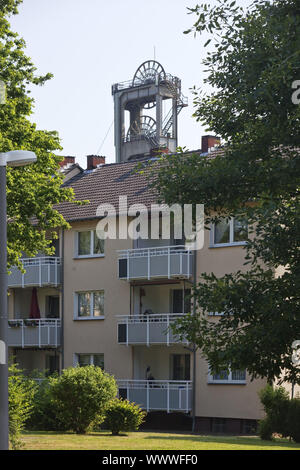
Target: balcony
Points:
(170, 262)
(147, 329)
(34, 333)
(163, 395)
(40, 271)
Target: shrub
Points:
(79, 397)
(293, 419)
(282, 414)
(21, 391)
(43, 416)
(123, 415)
(265, 430)
(276, 402)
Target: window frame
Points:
(229, 381)
(92, 358)
(92, 316)
(186, 370)
(92, 245)
(231, 242)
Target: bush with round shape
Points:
(123, 415)
(80, 396)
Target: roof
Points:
(104, 185)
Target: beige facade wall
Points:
(228, 400)
(96, 336)
(100, 336)
(130, 362)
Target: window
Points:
(52, 364)
(89, 305)
(180, 366)
(181, 301)
(52, 306)
(232, 231)
(228, 377)
(90, 360)
(89, 244)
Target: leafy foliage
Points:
(282, 414)
(252, 63)
(79, 397)
(21, 391)
(43, 416)
(123, 415)
(32, 191)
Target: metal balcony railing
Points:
(147, 329)
(157, 262)
(32, 332)
(40, 271)
(167, 77)
(166, 395)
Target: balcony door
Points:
(181, 302)
(52, 364)
(180, 367)
(52, 306)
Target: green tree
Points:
(252, 64)
(31, 191)
(21, 392)
(79, 397)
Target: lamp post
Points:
(13, 158)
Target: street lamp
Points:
(13, 158)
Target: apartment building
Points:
(111, 302)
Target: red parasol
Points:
(34, 307)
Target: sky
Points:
(90, 44)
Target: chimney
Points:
(155, 152)
(92, 161)
(209, 141)
(66, 161)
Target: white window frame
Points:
(76, 358)
(231, 242)
(91, 317)
(229, 381)
(76, 245)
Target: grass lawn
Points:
(148, 441)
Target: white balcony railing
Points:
(39, 271)
(166, 395)
(157, 262)
(33, 332)
(147, 329)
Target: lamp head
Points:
(17, 158)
